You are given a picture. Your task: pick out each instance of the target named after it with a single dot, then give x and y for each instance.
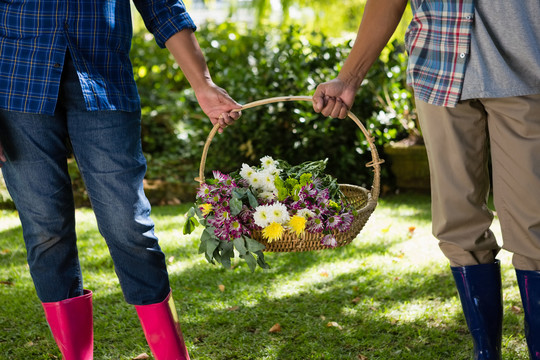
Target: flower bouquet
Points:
(250, 209)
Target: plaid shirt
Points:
(438, 42)
(34, 36)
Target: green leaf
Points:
(211, 246)
(191, 212)
(217, 256)
(253, 245)
(202, 246)
(227, 253)
(205, 236)
(190, 225)
(239, 245)
(252, 200)
(260, 260)
(239, 193)
(251, 261)
(198, 212)
(236, 206)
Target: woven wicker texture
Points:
(363, 200)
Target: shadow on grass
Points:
(374, 325)
(379, 312)
(370, 307)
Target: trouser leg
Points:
(458, 151)
(107, 147)
(514, 128)
(37, 178)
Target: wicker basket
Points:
(363, 200)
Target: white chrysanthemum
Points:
(273, 170)
(267, 195)
(247, 172)
(256, 180)
(305, 213)
(263, 215)
(280, 213)
(267, 180)
(267, 162)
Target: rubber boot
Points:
(529, 287)
(71, 325)
(479, 288)
(162, 330)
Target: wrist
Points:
(202, 83)
(351, 80)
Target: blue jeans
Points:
(107, 147)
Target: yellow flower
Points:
(206, 209)
(298, 224)
(273, 231)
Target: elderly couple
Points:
(65, 74)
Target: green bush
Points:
(253, 65)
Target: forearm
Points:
(379, 22)
(186, 51)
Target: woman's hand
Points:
(218, 105)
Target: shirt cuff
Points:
(172, 26)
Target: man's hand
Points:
(333, 98)
(2, 156)
(218, 105)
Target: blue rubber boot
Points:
(479, 288)
(529, 287)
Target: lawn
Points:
(388, 295)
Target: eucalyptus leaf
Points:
(191, 212)
(227, 253)
(211, 246)
(251, 261)
(239, 193)
(240, 246)
(252, 200)
(202, 246)
(205, 236)
(253, 245)
(236, 206)
(260, 260)
(217, 255)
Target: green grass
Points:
(390, 294)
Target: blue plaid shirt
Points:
(438, 42)
(35, 35)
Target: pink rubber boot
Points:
(162, 330)
(71, 324)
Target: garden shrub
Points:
(252, 65)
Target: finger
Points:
(329, 107)
(318, 103)
(235, 114)
(227, 119)
(338, 109)
(344, 112)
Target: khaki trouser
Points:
(459, 142)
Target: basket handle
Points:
(375, 163)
